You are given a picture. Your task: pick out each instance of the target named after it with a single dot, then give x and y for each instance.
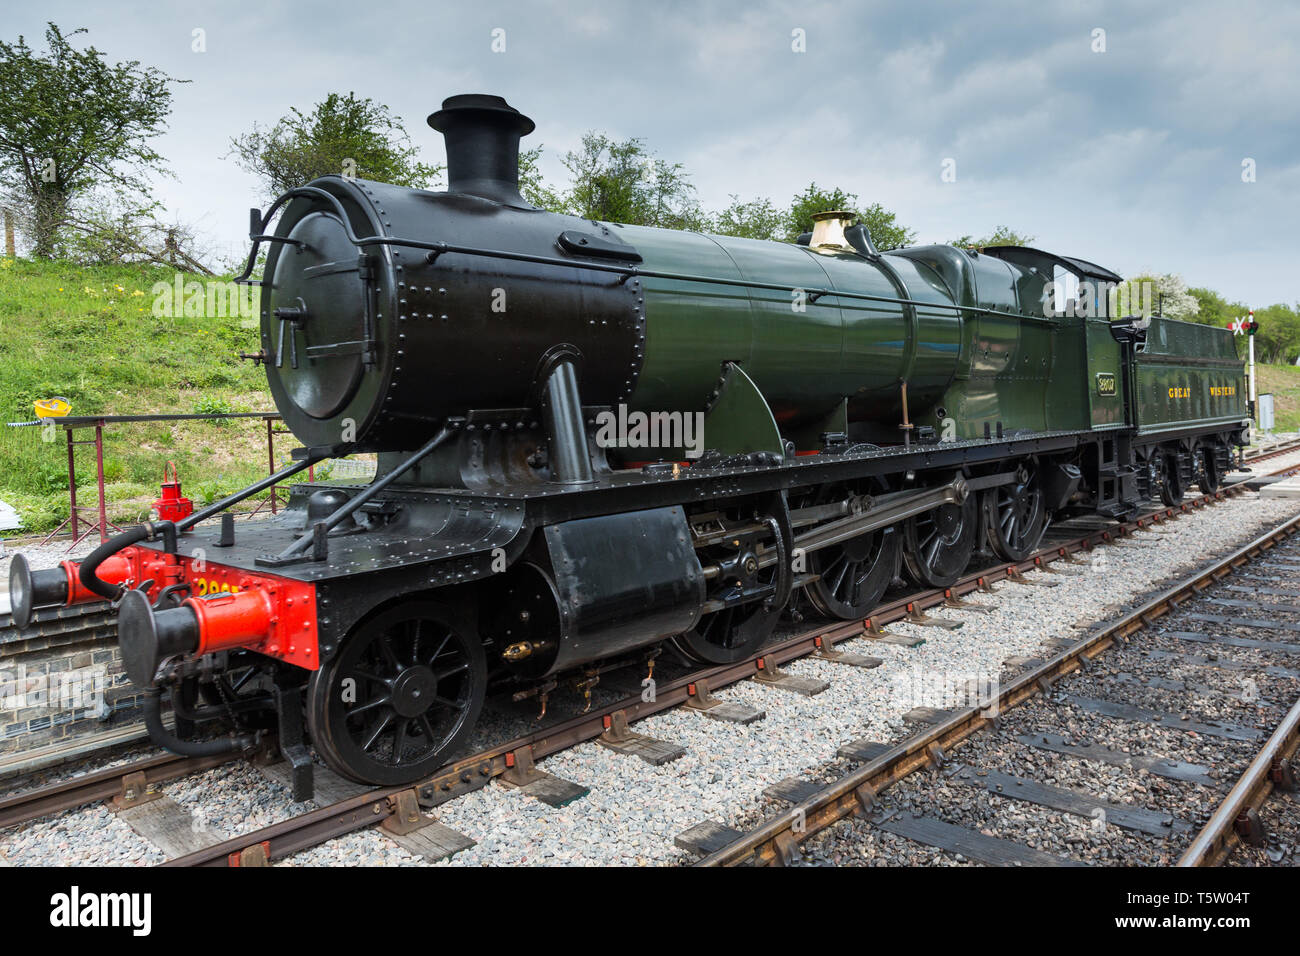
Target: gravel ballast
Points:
(634, 810)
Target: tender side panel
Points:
(1188, 375)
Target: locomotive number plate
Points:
(1106, 383)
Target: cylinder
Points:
(598, 587)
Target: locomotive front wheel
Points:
(1016, 517)
(938, 545)
(400, 697)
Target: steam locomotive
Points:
(596, 441)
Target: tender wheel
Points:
(744, 602)
(1171, 483)
(855, 574)
(400, 697)
(1015, 516)
(938, 545)
(1211, 475)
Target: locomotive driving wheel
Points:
(744, 599)
(938, 544)
(853, 575)
(1015, 515)
(400, 697)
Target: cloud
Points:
(1130, 157)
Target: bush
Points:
(213, 405)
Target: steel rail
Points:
(105, 784)
(101, 785)
(451, 781)
(1218, 838)
(774, 840)
(478, 770)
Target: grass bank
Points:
(90, 335)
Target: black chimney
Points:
(482, 134)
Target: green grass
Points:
(88, 334)
(1284, 382)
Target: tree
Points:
(624, 182)
(103, 228)
(757, 219)
(886, 231)
(71, 121)
(1167, 294)
(805, 205)
(1215, 309)
(1278, 339)
(1001, 236)
(343, 136)
(531, 185)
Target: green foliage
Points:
(1215, 309)
(531, 184)
(757, 219)
(69, 122)
(886, 231)
(799, 216)
(214, 405)
(625, 182)
(342, 135)
(1278, 338)
(1001, 236)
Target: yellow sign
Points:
(1106, 383)
(1180, 393)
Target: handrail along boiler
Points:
(865, 415)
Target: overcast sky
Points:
(1131, 157)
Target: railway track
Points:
(1238, 819)
(402, 810)
(88, 625)
(929, 761)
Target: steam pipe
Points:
(562, 416)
